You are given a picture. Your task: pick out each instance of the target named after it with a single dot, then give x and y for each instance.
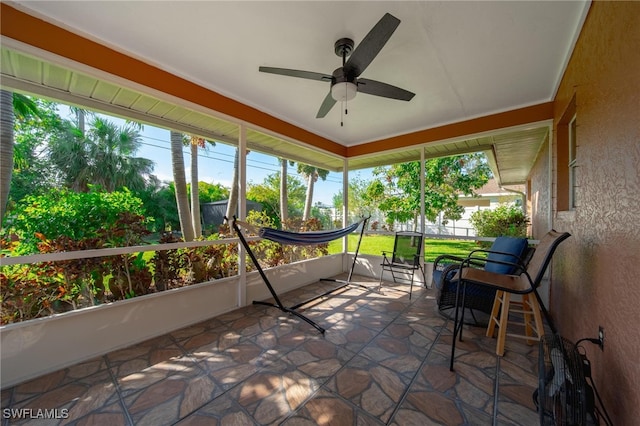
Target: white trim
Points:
(87, 254)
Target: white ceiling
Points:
(462, 59)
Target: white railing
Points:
(43, 345)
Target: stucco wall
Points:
(595, 273)
(540, 194)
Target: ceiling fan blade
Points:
(326, 106)
(371, 45)
(296, 73)
(377, 88)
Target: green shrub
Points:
(77, 216)
(507, 220)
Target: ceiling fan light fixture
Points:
(344, 91)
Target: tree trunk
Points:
(195, 195)
(232, 204)
(81, 120)
(284, 199)
(309, 199)
(6, 148)
(180, 181)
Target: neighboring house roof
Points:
(492, 188)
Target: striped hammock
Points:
(306, 238)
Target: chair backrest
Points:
(407, 248)
(514, 246)
(543, 254)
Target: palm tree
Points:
(180, 181)
(232, 203)
(81, 115)
(12, 106)
(284, 201)
(312, 174)
(105, 156)
(195, 143)
(112, 151)
(6, 147)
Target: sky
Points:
(215, 164)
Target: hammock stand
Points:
(301, 238)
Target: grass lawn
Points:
(376, 244)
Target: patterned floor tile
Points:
(383, 359)
(400, 348)
(171, 399)
(374, 388)
(73, 401)
(274, 393)
(220, 411)
(326, 408)
(84, 372)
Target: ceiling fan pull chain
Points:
(341, 117)
(345, 106)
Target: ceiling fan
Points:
(345, 81)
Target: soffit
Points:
(511, 152)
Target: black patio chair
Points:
(404, 260)
(524, 281)
(478, 301)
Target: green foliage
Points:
(77, 216)
(507, 220)
(159, 201)
(104, 156)
(359, 205)
(31, 291)
(396, 192)
(208, 193)
(26, 293)
(268, 194)
(32, 171)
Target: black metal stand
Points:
(353, 264)
(278, 304)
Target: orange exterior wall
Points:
(595, 278)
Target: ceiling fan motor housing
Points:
(343, 86)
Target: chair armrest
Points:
(488, 252)
(447, 258)
(444, 261)
(473, 261)
(519, 284)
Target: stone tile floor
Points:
(384, 359)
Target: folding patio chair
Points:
(404, 260)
